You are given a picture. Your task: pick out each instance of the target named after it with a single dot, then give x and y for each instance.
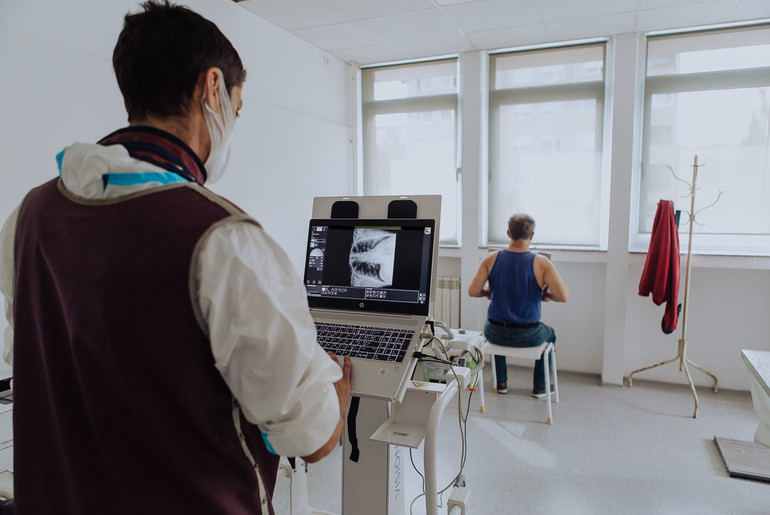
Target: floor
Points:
(610, 450)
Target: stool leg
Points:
(547, 358)
(553, 371)
(494, 373)
(480, 387)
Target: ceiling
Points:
(379, 31)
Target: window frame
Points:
(599, 91)
(371, 108)
(727, 244)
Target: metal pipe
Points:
(429, 455)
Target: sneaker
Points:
(539, 393)
(502, 387)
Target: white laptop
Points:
(368, 285)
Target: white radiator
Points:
(446, 302)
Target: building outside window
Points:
(410, 135)
(707, 93)
(546, 141)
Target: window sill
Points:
(631, 257)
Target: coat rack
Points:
(681, 355)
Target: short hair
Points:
(521, 226)
(160, 54)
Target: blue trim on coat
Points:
(267, 444)
(59, 159)
(131, 179)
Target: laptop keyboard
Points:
(359, 341)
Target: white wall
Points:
(291, 143)
(294, 137)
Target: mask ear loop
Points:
(224, 121)
(220, 127)
(226, 106)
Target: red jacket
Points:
(661, 270)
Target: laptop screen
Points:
(362, 265)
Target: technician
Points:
(162, 348)
(516, 281)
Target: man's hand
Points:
(342, 388)
(487, 292)
(547, 297)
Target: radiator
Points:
(446, 302)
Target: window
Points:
(708, 94)
(410, 121)
(546, 135)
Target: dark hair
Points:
(160, 54)
(521, 227)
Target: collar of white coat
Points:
(95, 171)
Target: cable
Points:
(462, 419)
(443, 348)
(411, 458)
(462, 422)
(411, 505)
(462, 431)
(429, 357)
(446, 329)
(465, 425)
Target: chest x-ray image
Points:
(372, 257)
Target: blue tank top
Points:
(516, 295)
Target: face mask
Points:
(220, 127)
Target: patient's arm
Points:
(478, 286)
(553, 287)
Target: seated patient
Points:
(516, 281)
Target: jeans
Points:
(520, 337)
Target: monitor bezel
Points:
(364, 306)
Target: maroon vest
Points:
(118, 407)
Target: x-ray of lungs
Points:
(372, 256)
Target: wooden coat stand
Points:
(681, 355)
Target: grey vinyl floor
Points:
(610, 450)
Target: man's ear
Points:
(211, 78)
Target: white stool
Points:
(546, 350)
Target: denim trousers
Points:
(519, 337)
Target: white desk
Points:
(752, 459)
(758, 365)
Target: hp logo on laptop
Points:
(361, 305)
